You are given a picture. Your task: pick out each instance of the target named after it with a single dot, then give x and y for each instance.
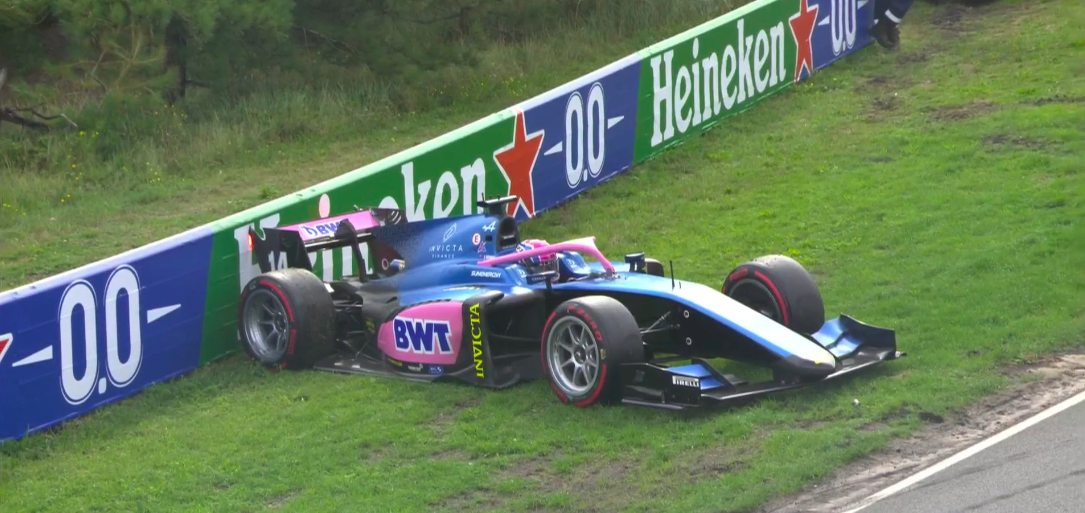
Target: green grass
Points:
(937, 191)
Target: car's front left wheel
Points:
(584, 343)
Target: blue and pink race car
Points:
(465, 299)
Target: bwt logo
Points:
(328, 228)
(421, 336)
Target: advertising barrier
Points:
(76, 341)
(73, 342)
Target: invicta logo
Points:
(476, 340)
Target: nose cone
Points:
(809, 368)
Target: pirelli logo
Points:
(684, 381)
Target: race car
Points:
(465, 299)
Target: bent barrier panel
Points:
(71, 343)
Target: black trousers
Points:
(892, 10)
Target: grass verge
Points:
(936, 191)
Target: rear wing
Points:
(293, 243)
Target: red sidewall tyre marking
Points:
(542, 357)
(583, 315)
(598, 388)
(289, 310)
(775, 292)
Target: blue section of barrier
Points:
(74, 342)
(588, 128)
(843, 26)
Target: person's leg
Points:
(896, 9)
(888, 14)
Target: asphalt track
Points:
(1040, 469)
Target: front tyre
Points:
(286, 319)
(780, 289)
(584, 343)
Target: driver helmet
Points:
(538, 263)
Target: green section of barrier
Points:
(443, 177)
(694, 80)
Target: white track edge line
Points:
(971, 451)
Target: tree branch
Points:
(338, 45)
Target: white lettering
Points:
(776, 34)
(681, 94)
(474, 178)
(447, 182)
(727, 73)
(760, 57)
(745, 76)
(661, 98)
(574, 144)
(122, 373)
(596, 133)
(696, 85)
(76, 390)
(414, 208)
(711, 65)
(686, 382)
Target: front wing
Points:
(855, 346)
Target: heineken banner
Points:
(694, 80)
(175, 301)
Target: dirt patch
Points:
(448, 417)
(960, 112)
(885, 103)
(278, 501)
(531, 468)
(1056, 378)
(950, 17)
(450, 454)
(1057, 99)
(881, 106)
(713, 461)
(913, 58)
(1002, 140)
(475, 500)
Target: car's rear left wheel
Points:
(286, 319)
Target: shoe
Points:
(894, 33)
(886, 33)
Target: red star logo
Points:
(5, 344)
(516, 162)
(802, 28)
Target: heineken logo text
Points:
(692, 95)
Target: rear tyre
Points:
(286, 319)
(584, 343)
(780, 289)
